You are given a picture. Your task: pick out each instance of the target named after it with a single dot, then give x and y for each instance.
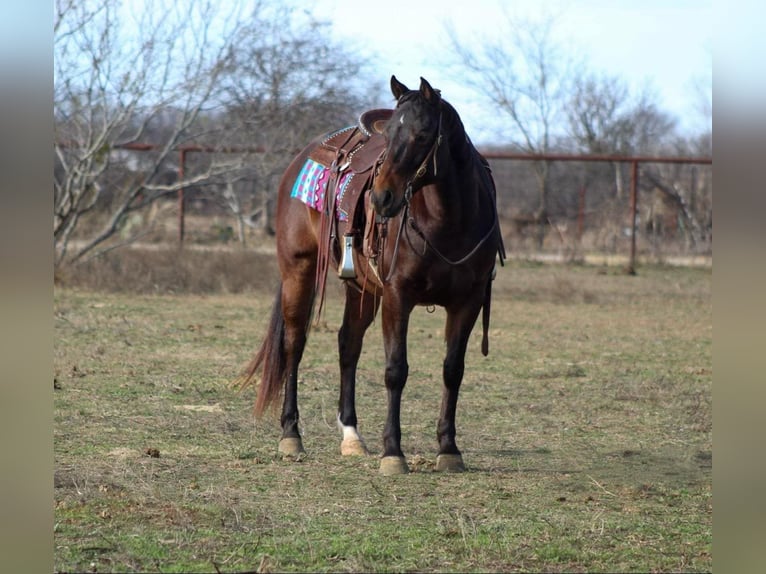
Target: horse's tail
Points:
(270, 356)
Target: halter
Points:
(421, 171)
(407, 219)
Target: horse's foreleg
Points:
(460, 322)
(395, 321)
(359, 312)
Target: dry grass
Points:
(587, 434)
(162, 269)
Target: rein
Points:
(407, 219)
(443, 257)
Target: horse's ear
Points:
(431, 95)
(397, 88)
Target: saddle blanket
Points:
(311, 186)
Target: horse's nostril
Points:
(383, 199)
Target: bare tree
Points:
(115, 74)
(648, 127)
(287, 81)
(595, 113)
(604, 118)
(702, 97)
(180, 73)
(525, 74)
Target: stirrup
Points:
(346, 267)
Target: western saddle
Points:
(352, 155)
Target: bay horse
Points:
(432, 208)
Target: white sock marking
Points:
(349, 432)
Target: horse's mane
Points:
(460, 145)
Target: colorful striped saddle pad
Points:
(356, 149)
(311, 186)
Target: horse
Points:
(431, 207)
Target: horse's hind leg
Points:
(359, 312)
(460, 322)
(297, 302)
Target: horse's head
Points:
(413, 135)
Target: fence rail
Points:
(633, 161)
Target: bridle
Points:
(431, 155)
(410, 188)
(423, 168)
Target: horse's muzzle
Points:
(385, 202)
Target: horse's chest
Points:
(446, 286)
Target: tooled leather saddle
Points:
(351, 154)
(353, 151)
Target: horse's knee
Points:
(396, 373)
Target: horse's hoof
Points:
(353, 447)
(391, 465)
(291, 448)
(449, 463)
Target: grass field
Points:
(587, 434)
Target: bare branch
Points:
(172, 73)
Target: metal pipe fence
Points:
(634, 163)
(504, 181)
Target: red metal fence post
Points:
(581, 214)
(181, 203)
(631, 269)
